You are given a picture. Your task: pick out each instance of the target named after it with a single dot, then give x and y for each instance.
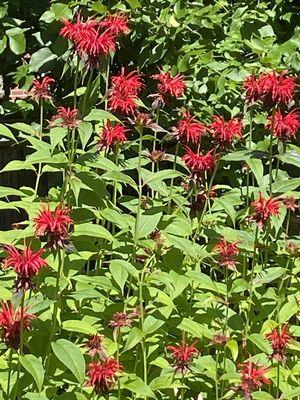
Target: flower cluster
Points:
(225, 132)
(10, 323)
(182, 355)
(93, 39)
(103, 374)
(284, 126)
(264, 208)
(279, 339)
(41, 88)
(168, 87)
(124, 92)
(227, 253)
(253, 377)
(112, 135)
(66, 117)
(189, 129)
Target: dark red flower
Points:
(277, 88)
(183, 355)
(116, 23)
(25, 262)
(251, 86)
(71, 30)
(53, 224)
(41, 88)
(169, 86)
(111, 135)
(284, 127)
(224, 132)
(290, 203)
(95, 346)
(220, 338)
(103, 375)
(66, 117)
(265, 208)
(227, 253)
(253, 377)
(189, 129)
(123, 95)
(10, 323)
(199, 163)
(120, 319)
(279, 339)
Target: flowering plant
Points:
(161, 261)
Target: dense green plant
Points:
(159, 237)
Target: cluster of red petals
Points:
(123, 95)
(189, 129)
(103, 375)
(41, 88)
(271, 88)
(168, 86)
(183, 355)
(117, 24)
(284, 126)
(198, 163)
(279, 339)
(290, 203)
(95, 346)
(53, 224)
(227, 253)
(26, 262)
(10, 324)
(93, 39)
(265, 208)
(225, 132)
(120, 319)
(253, 377)
(66, 117)
(111, 135)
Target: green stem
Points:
(87, 92)
(22, 324)
(198, 230)
(172, 180)
(247, 326)
(107, 82)
(9, 373)
(137, 220)
(55, 310)
(39, 173)
(271, 153)
(216, 376)
(249, 147)
(278, 380)
(226, 324)
(76, 82)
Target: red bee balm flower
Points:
(103, 375)
(41, 88)
(111, 135)
(95, 346)
(53, 224)
(26, 262)
(264, 209)
(279, 339)
(169, 85)
(227, 252)
(123, 95)
(253, 377)
(271, 88)
(116, 24)
(67, 117)
(91, 40)
(284, 127)
(10, 324)
(225, 132)
(120, 319)
(199, 163)
(183, 355)
(189, 129)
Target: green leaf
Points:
(4, 131)
(118, 263)
(61, 11)
(291, 157)
(17, 165)
(34, 367)
(134, 337)
(119, 273)
(85, 130)
(234, 348)
(70, 355)
(195, 329)
(257, 168)
(134, 4)
(161, 175)
(288, 310)
(286, 185)
(40, 58)
(135, 384)
(100, 115)
(147, 224)
(17, 41)
(261, 342)
(92, 230)
(75, 325)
